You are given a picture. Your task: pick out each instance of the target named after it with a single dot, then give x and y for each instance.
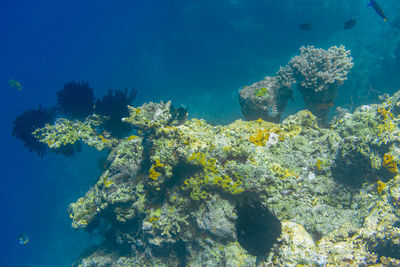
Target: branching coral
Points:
(318, 73)
(75, 100)
(316, 69)
(26, 123)
(65, 132)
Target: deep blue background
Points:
(199, 54)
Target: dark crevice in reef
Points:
(238, 158)
(257, 228)
(131, 226)
(181, 172)
(387, 249)
(111, 244)
(316, 235)
(175, 250)
(181, 252)
(147, 145)
(107, 247)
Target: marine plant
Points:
(26, 123)
(75, 100)
(114, 105)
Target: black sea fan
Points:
(26, 123)
(75, 100)
(114, 106)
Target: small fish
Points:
(273, 110)
(378, 9)
(350, 24)
(23, 239)
(305, 26)
(106, 134)
(15, 84)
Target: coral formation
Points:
(65, 132)
(316, 69)
(75, 100)
(317, 72)
(186, 193)
(29, 121)
(265, 99)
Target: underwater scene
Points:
(200, 133)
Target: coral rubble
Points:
(186, 193)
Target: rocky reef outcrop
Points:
(187, 193)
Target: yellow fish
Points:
(23, 238)
(15, 84)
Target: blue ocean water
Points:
(198, 53)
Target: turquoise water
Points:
(198, 54)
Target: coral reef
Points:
(368, 149)
(318, 74)
(29, 121)
(114, 106)
(186, 193)
(75, 100)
